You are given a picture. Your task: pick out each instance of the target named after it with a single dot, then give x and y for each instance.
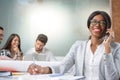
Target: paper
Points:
(49, 77)
(70, 77)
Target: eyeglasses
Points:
(101, 23)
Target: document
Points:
(48, 77)
(70, 77)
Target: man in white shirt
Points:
(39, 49)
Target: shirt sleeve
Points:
(112, 65)
(67, 62)
(50, 56)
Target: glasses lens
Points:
(102, 23)
(94, 22)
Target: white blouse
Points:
(92, 61)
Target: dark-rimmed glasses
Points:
(95, 22)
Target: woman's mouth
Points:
(97, 30)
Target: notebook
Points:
(5, 73)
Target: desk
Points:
(42, 77)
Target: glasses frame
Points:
(95, 22)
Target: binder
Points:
(5, 73)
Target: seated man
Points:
(1, 34)
(39, 49)
(1, 38)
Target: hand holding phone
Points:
(109, 37)
(106, 36)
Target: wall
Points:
(116, 18)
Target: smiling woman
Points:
(12, 48)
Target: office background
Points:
(63, 21)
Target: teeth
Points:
(96, 29)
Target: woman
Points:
(97, 58)
(12, 47)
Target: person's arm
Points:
(108, 41)
(112, 65)
(36, 69)
(111, 58)
(19, 55)
(5, 58)
(62, 68)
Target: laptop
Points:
(34, 56)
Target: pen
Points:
(34, 60)
(34, 65)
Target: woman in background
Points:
(12, 48)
